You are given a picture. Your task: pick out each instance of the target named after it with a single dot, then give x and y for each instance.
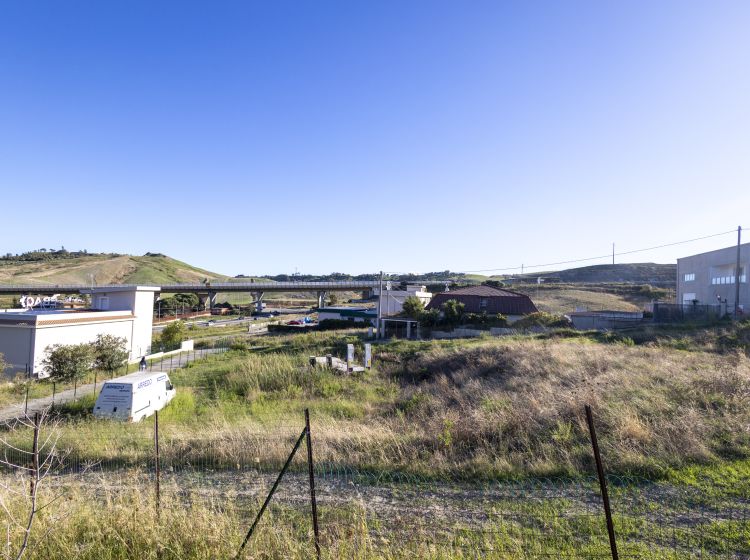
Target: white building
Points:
(392, 302)
(125, 311)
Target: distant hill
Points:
(58, 267)
(632, 273)
(76, 267)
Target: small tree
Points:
(333, 299)
(3, 364)
(429, 318)
(69, 362)
(413, 307)
(173, 334)
(109, 352)
(453, 311)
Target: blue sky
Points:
(258, 137)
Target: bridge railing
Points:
(214, 286)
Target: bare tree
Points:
(30, 470)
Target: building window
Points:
(689, 277)
(688, 298)
(483, 303)
(727, 275)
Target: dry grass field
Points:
(450, 423)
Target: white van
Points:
(133, 397)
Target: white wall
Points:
(77, 334)
(393, 300)
(140, 301)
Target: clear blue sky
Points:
(256, 137)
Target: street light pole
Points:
(737, 275)
(380, 303)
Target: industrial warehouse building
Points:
(710, 278)
(123, 311)
(486, 299)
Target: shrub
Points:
(429, 318)
(173, 335)
(413, 307)
(68, 362)
(542, 319)
(109, 352)
(485, 320)
(453, 311)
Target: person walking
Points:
(142, 365)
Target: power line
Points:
(587, 259)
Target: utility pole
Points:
(613, 253)
(737, 275)
(380, 303)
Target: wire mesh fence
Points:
(431, 517)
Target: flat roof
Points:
(734, 247)
(106, 289)
(35, 312)
(137, 376)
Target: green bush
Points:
(486, 320)
(542, 319)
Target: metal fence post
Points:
(35, 454)
(158, 466)
(26, 402)
(310, 469)
(602, 483)
(273, 490)
(54, 387)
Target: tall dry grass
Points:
(517, 406)
(489, 408)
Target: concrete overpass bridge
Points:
(207, 292)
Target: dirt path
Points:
(13, 411)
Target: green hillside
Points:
(630, 273)
(78, 268)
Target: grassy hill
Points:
(151, 268)
(630, 273)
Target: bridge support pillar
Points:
(322, 296)
(259, 301)
(207, 301)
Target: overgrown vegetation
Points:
(467, 410)
(484, 408)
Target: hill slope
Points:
(635, 273)
(106, 269)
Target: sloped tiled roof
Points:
(483, 291)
